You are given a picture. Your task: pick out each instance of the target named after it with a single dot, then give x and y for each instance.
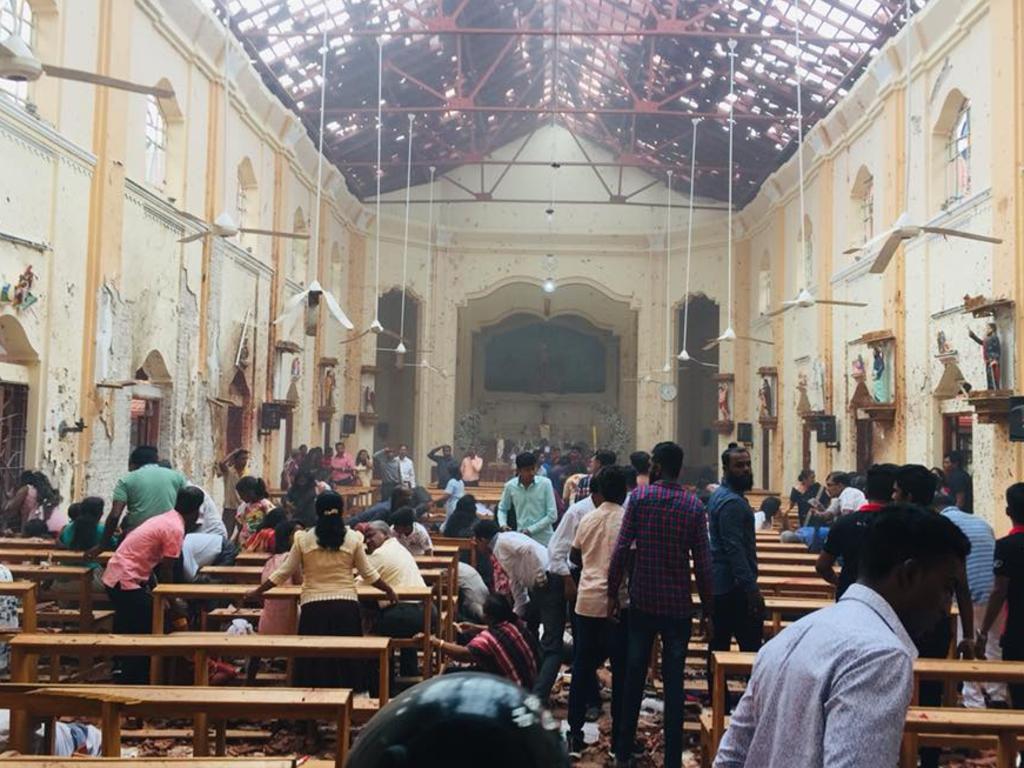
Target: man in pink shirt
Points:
(149, 550)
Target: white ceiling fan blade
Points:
(960, 233)
(335, 309)
(273, 233)
(842, 303)
(711, 344)
(193, 238)
(110, 82)
(292, 306)
(757, 341)
(786, 306)
(888, 250)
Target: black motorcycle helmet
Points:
(463, 720)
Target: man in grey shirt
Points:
(848, 669)
(390, 470)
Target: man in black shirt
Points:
(958, 482)
(1009, 588)
(847, 535)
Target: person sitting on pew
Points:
(411, 534)
(153, 545)
(398, 568)
(81, 534)
(382, 510)
(848, 669)
(263, 540)
(501, 646)
(328, 554)
(473, 593)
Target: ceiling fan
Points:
(310, 299)
(888, 242)
(904, 229)
(224, 223)
(17, 62)
(730, 335)
(805, 300)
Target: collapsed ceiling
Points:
(628, 75)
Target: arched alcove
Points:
(238, 413)
(19, 385)
(299, 249)
(149, 403)
(247, 201)
(545, 367)
(396, 382)
(697, 398)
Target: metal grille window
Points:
(958, 157)
(15, 20)
(13, 428)
(156, 143)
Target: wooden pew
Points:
(463, 545)
(238, 592)
(1005, 726)
(40, 574)
(25, 591)
(111, 703)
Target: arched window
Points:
(805, 272)
(246, 197)
(156, 143)
(862, 208)
(764, 285)
(958, 156)
(16, 20)
(300, 248)
(336, 268)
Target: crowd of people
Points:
(619, 554)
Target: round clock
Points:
(668, 392)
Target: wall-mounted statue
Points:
(882, 392)
(369, 400)
(724, 413)
(992, 352)
(327, 389)
(816, 385)
(766, 398)
(943, 344)
(857, 369)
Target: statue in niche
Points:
(943, 344)
(327, 390)
(296, 368)
(764, 395)
(369, 400)
(816, 386)
(879, 377)
(992, 352)
(724, 414)
(857, 368)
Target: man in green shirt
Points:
(146, 491)
(533, 499)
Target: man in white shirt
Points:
(848, 669)
(410, 534)
(845, 498)
(406, 469)
(538, 596)
(210, 518)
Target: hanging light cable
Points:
(320, 153)
(401, 349)
(376, 326)
(668, 279)
(683, 354)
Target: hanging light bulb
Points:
(549, 285)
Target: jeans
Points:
(404, 620)
(547, 609)
(731, 618)
(133, 615)
(595, 640)
(932, 645)
(675, 636)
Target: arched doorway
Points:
(395, 383)
(19, 365)
(237, 428)
(147, 407)
(697, 402)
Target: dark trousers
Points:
(675, 637)
(731, 618)
(595, 640)
(386, 489)
(403, 620)
(932, 645)
(472, 483)
(133, 615)
(1014, 651)
(547, 609)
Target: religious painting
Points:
(545, 357)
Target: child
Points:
(263, 539)
(274, 618)
(83, 533)
(255, 504)
(410, 534)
